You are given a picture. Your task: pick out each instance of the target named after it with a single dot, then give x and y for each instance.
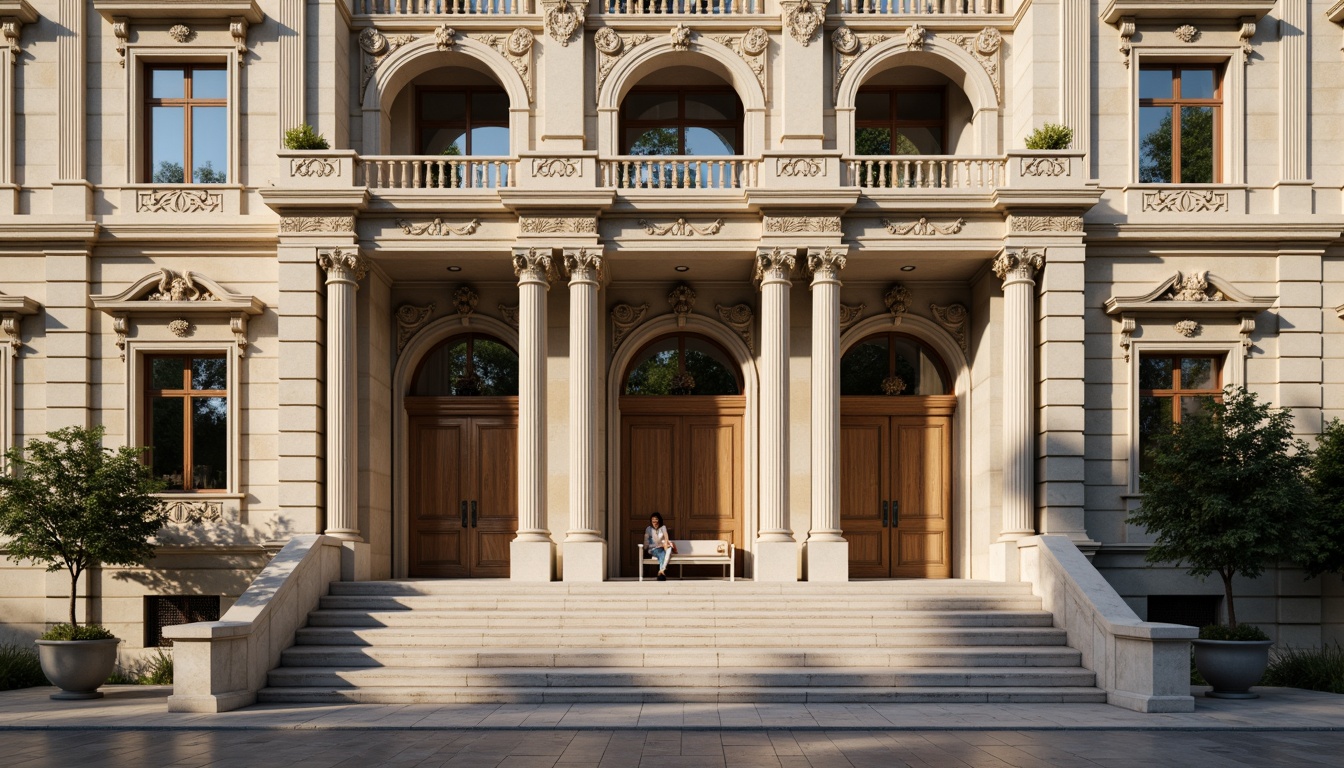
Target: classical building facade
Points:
(780, 271)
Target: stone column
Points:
(71, 193)
(585, 549)
(776, 550)
(827, 550)
(1017, 267)
(532, 553)
(344, 268)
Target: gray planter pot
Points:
(77, 667)
(1232, 666)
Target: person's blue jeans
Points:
(662, 555)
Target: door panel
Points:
(438, 546)
(648, 479)
(495, 469)
(922, 451)
(864, 459)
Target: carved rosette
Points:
(774, 265)
(624, 318)
(739, 317)
(563, 19)
(437, 228)
(516, 48)
(850, 314)
(1187, 33)
(897, 299)
(923, 227)
(343, 265)
(181, 33)
(953, 318)
(410, 319)
(610, 48)
(984, 47)
(803, 19)
(583, 264)
(1045, 223)
(532, 265)
(1018, 265)
(751, 48)
(681, 228)
(825, 264)
(682, 299)
(848, 48)
(1187, 328)
(181, 328)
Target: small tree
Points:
(72, 504)
(1050, 136)
(1322, 547)
(1226, 490)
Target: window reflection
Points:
(473, 365)
(682, 364)
(891, 364)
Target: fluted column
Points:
(1017, 267)
(776, 550)
(585, 549)
(827, 550)
(532, 553)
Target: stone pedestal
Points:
(827, 560)
(531, 560)
(356, 561)
(776, 561)
(584, 561)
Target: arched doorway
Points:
(682, 429)
(462, 459)
(896, 449)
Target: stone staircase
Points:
(679, 641)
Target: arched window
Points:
(462, 120)
(681, 120)
(682, 364)
(892, 364)
(900, 120)
(467, 366)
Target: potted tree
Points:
(71, 504)
(1224, 493)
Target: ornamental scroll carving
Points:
(850, 314)
(681, 228)
(803, 19)
(1185, 201)
(802, 224)
(178, 201)
(739, 317)
(1047, 167)
(556, 167)
(682, 299)
(897, 299)
(563, 19)
(313, 167)
(984, 48)
(848, 47)
(410, 319)
(179, 288)
(516, 48)
(624, 318)
(509, 312)
(576, 225)
(464, 301)
(1045, 223)
(922, 227)
(751, 48)
(294, 224)
(610, 48)
(1127, 30)
(377, 47)
(1193, 286)
(437, 228)
(181, 511)
(799, 167)
(953, 318)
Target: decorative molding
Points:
(1018, 264)
(624, 318)
(121, 326)
(1245, 34)
(610, 48)
(410, 319)
(848, 47)
(509, 312)
(12, 311)
(293, 224)
(914, 37)
(238, 326)
(562, 19)
(464, 301)
(583, 264)
(179, 201)
(533, 263)
(12, 326)
(803, 19)
(751, 48)
(181, 33)
(739, 317)
(681, 228)
(181, 328)
(1187, 33)
(802, 224)
(238, 29)
(437, 228)
(313, 167)
(1127, 327)
(1184, 201)
(680, 37)
(923, 227)
(516, 48)
(897, 298)
(953, 318)
(1045, 223)
(1045, 166)
(182, 511)
(1127, 29)
(121, 30)
(826, 260)
(774, 263)
(682, 299)
(377, 47)
(799, 167)
(445, 38)
(1187, 328)
(1187, 296)
(984, 47)
(850, 314)
(179, 288)
(550, 225)
(186, 297)
(343, 264)
(556, 167)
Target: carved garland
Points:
(681, 228)
(923, 227)
(437, 228)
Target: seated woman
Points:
(658, 544)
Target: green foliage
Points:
(20, 667)
(1050, 136)
(169, 173)
(77, 632)
(71, 504)
(156, 671)
(1239, 632)
(1155, 149)
(1322, 545)
(305, 137)
(1316, 669)
(206, 174)
(1225, 490)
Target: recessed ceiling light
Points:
(682, 268)
(908, 268)
(454, 268)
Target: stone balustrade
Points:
(926, 172)
(436, 172)
(679, 172)
(924, 7)
(672, 7)
(442, 7)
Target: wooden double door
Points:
(682, 457)
(896, 485)
(463, 487)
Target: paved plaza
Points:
(131, 727)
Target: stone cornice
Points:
(1261, 229)
(18, 9)
(1202, 10)
(1221, 297)
(177, 10)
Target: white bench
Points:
(694, 552)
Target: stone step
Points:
(683, 603)
(672, 636)
(504, 589)
(558, 620)
(418, 657)
(763, 695)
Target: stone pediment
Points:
(179, 10)
(1188, 293)
(1203, 10)
(168, 293)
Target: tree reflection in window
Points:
(1172, 387)
(473, 365)
(1179, 113)
(682, 364)
(187, 399)
(891, 364)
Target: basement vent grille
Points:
(1193, 610)
(166, 610)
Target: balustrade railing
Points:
(697, 7)
(669, 172)
(926, 172)
(437, 172)
(436, 7)
(923, 7)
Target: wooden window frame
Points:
(891, 357)
(467, 124)
(1176, 102)
(1176, 392)
(187, 394)
(894, 123)
(187, 102)
(681, 122)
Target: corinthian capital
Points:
(343, 265)
(774, 265)
(1018, 264)
(532, 264)
(583, 264)
(825, 263)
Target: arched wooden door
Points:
(896, 455)
(462, 501)
(682, 456)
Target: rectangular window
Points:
(1180, 124)
(901, 121)
(187, 414)
(186, 124)
(1172, 387)
(462, 121)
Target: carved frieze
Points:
(552, 225)
(1045, 166)
(802, 224)
(624, 318)
(984, 47)
(751, 48)
(897, 299)
(516, 48)
(953, 318)
(556, 167)
(804, 18)
(178, 201)
(1018, 264)
(185, 512)
(799, 167)
(739, 317)
(1045, 223)
(313, 167)
(681, 228)
(610, 48)
(682, 299)
(317, 224)
(1185, 201)
(410, 319)
(850, 314)
(438, 228)
(848, 47)
(563, 18)
(922, 227)
(173, 287)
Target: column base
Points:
(584, 561)
(776, 561)
(531, 560)
(1004, 561)
(828, 561)
(356, 561)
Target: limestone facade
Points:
(1037, 282)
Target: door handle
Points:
(896, 513)
(886, 515)
(464, 514)
(473, 514)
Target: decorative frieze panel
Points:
(558, 225)
(800, 167)
(410, 319)
(739, 317)
(681, 228)
(786, 224)
(1185, 201)
(298, 224)
(184, 512)
(922, 227)
(179, 200)
(438, 228)
(556, 167)
(1045, 223)
(313, 167)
